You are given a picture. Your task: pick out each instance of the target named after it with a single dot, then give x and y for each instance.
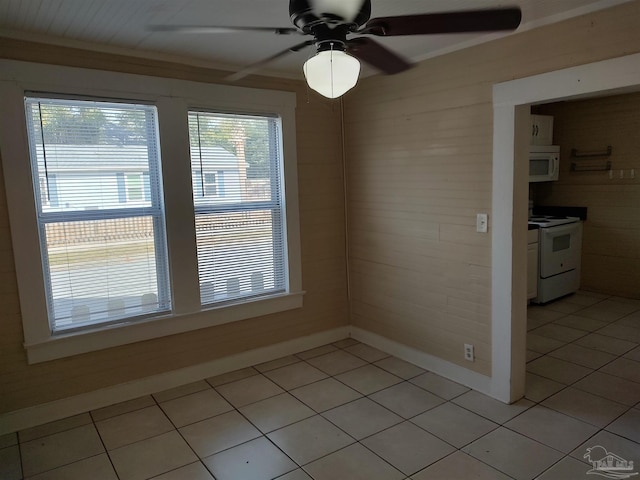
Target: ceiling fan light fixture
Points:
(332, 73)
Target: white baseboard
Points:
(449, 370)
(48, 412)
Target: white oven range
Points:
(560, 250)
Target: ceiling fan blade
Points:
(221, 29)
(374, 54)
(450, 22)
(258, 65)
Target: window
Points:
(103, 260)
(134, 187)
(130, 223)
(209, 185)
(239, 234)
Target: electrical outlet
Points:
(481, 222)
(468, 352)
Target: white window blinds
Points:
(96, 171)
(236, 166)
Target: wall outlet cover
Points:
(468, 352)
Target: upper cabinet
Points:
(541, 130)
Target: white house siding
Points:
(104, 173)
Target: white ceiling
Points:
(121, 26)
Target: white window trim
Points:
(173, 99)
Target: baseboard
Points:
(449, 370)
(49, 412)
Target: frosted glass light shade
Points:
(332, 73)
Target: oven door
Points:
(560, 249)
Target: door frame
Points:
(511, 107)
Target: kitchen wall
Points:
(419, 160)
(323, 255)
(611, 243)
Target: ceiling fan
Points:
(340, 30)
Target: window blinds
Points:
(96, 171)
(236, 176)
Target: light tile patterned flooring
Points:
(349, 411)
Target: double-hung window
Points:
(102, 242)
(240, 229)
(142, 207)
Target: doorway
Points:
(512, 101)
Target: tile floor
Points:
(349, 411)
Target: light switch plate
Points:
(481, 222)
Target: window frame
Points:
(275, 203)
(154, 210)
(173, 99)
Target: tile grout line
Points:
(617, 357)
(177, 430)
(403, 420)
(320, 414)
(95, 426)
(573, 342)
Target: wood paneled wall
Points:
(323, 255)
(419, 153)
(419, 160)
(611, 239)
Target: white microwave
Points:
(544, 163)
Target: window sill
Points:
(75, 343)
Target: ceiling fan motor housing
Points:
(306, 19)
